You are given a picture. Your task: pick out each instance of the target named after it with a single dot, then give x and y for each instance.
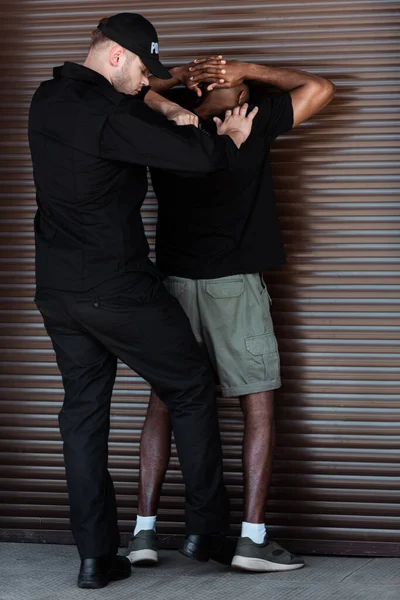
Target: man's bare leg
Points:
(254, 551)
(155, 451)
(258, 441)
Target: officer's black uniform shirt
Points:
(90, 146)
(224, 223)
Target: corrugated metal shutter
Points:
(336, 484)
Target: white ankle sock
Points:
(143, 523)
(254, 531)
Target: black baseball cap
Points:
(137, 34)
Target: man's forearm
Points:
(310, 93)
(282, 78)
(163, 85)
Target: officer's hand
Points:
(237, 124)
(181, 116)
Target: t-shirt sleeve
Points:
(275, 115)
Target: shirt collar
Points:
(72, 70)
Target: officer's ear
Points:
(116, 53)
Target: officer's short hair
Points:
(97, 37)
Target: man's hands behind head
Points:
(207, 69)
(218, 73)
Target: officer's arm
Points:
(147, 138)
(144, 137)
(170, 110)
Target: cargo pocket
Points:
(225, 287)
(262, 358)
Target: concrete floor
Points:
(48, 572)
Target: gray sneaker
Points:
(142, 549)
(268, 556)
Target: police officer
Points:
(92, 131)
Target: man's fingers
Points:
(243, 109)
(228, 113)
(207, 66)
(215, 70)
(219, 85)
(203, 59)
(208, 58)
(215, 86)
(195, 88)
(207, 77)
(236, 110)
(217, 121)
(209, 63)
(253, 113)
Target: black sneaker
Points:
(265, 557)
(142, 549)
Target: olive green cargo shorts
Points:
(231, 320)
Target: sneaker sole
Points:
(143, 557)
(260, 565)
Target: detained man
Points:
(216, 234)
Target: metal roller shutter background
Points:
(336, 484)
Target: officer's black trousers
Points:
(133, 318)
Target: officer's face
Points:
(132, 75)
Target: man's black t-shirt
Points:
(224, 223)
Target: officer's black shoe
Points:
(205, 547)
(98, 572)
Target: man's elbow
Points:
(329, 89)
(324, 91)
(312, 99)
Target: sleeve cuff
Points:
(143, 92)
